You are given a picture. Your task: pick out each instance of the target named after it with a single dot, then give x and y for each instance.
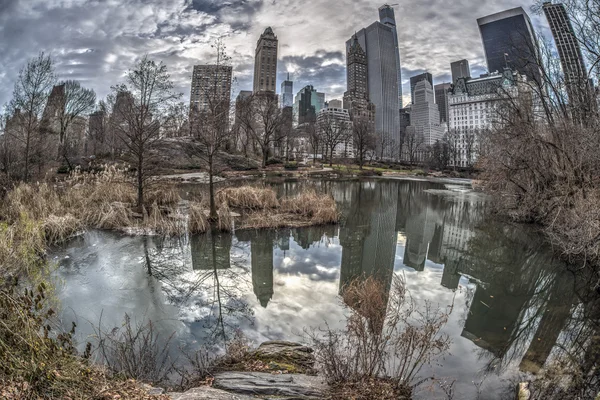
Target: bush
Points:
(273, 161)
(292, 166)
(379, 328)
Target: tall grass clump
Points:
(249, 198)
(197, 221)
(320, 208)
(385, 344)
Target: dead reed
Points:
(248, 197)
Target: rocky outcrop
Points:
(296, 386)
(292, 353)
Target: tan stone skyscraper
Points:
(265, 62)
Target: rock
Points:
(152, 391)
(286, 352)
(208, 393)
(523, 392)
(296, 386)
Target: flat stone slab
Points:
(208, 393)
(296, 386)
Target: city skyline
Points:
(99, 45)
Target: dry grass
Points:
(197, 221)
(320, 208)
(248, 198)
(59, 229)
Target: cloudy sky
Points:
(97, 41)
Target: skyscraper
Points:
(356, 97)
(509, 41)
(441, 99)
(211, 86)
(287, 92)
(425, 76)
(571, 58)
(265, 62)
(425, 116)
(460, 69)
(386, 17)
(379, 45)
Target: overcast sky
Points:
(97, 41)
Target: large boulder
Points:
(296, 386)
(283, 352)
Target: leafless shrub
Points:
(386, 337)
(135, 351)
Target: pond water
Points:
(514, 303)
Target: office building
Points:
(265, 62)
(307, 105)
(441, 99)
(425, 76)
(460, 69)
(471, 109)
(571, 58)
(287, 93)
(211, 88)
(386, 17)
(509, 42)
(425, 116)
(336, 123)
(379, 44)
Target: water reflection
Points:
(517, 306)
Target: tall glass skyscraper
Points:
(386, 17)
(379, 41)
(509, 41)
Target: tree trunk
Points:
(265, 157)
(211, 191)
(140, 182)
(26, 172)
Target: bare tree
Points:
(414, 144)
(313, 136)
(177, 123)
(385, 145)
(451, 138)
(333, 132)
(30, 95)
(363, 138)
(140, 105)
(71, 103)
(209, 124)
(261, 118)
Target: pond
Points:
(513, 302)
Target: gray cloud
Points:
(97, 41)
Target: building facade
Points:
(379, 45)
(425, 76)
(211, 87)
(571, 58)
(265, 62)
(509, 42)
(287, 93)
(472, 105)
(338, 120)
(460, 69)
